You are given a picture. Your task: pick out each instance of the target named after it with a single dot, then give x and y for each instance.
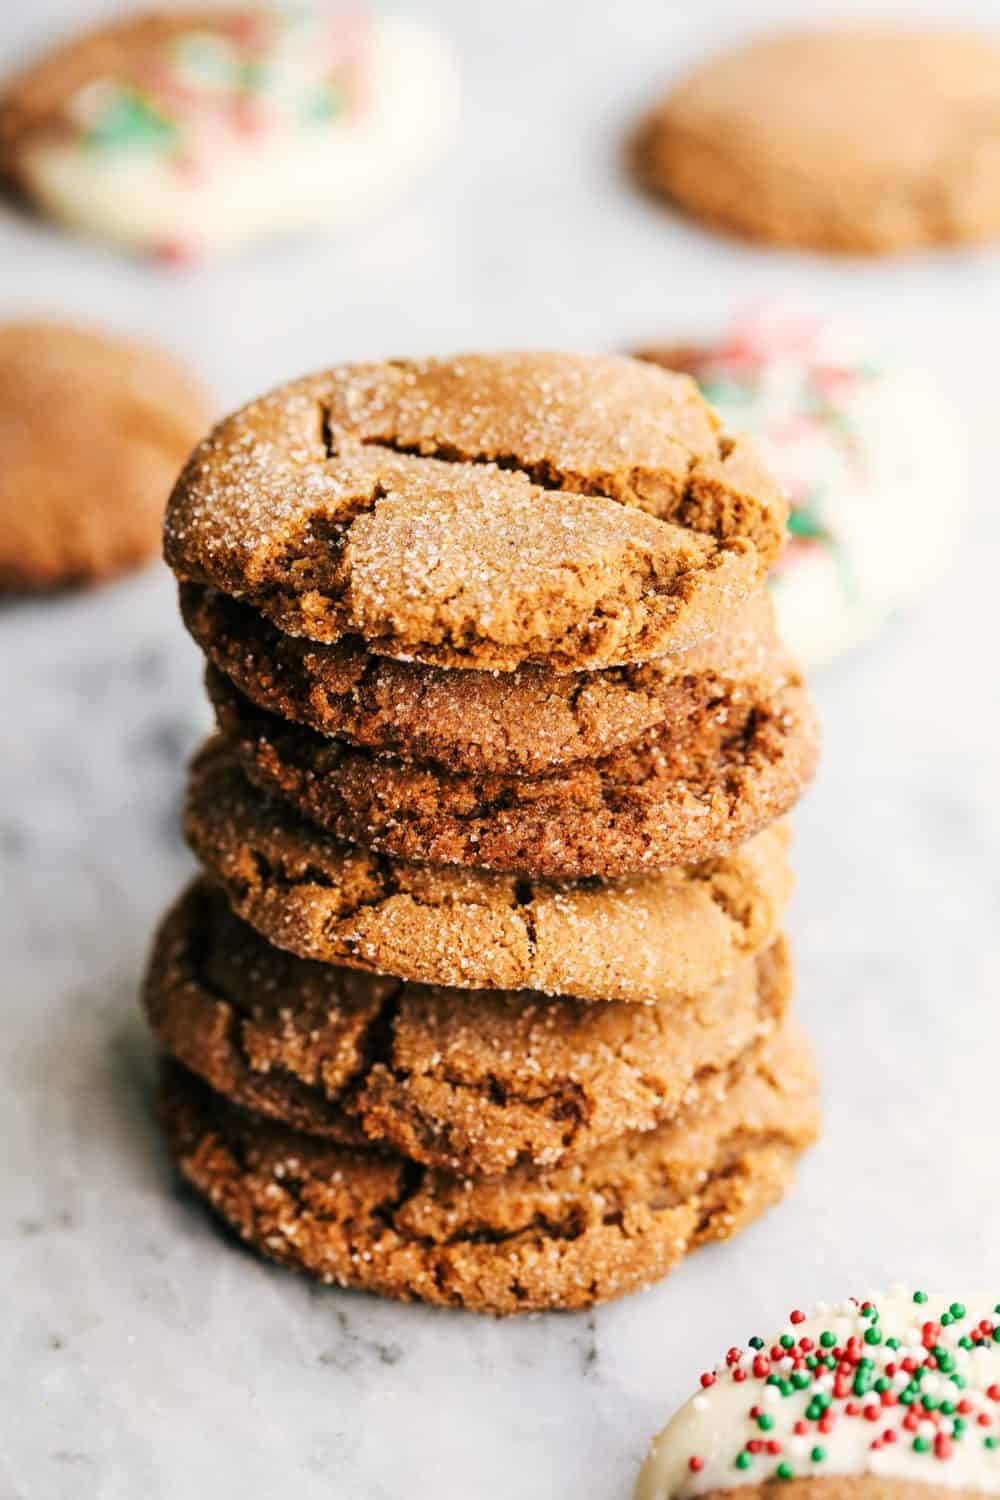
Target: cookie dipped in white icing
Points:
(873, 456)
(181, 134)
(905, 1386)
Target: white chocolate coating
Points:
(873, 456)
(820, 1428)
(210, 185)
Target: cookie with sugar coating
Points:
(93, 429)
(566, 1236)
(872, 139)
(487, 511)
(474, 1081)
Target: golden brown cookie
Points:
(648, 939)
(93, 430)
(486, 511)
(473, 1081)
(874, 139)
(678, 795)
(536, 1237)
(525, 721)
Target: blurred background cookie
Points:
(187, 131)
(93, 430)
(872, 453)
(870, 139)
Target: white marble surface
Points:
(141, 1354)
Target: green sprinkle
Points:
(785, 1387)
(908, 1396)
(773, 1379)
(811, 1361)
(892, 1343)
(817, 1455)
(947, 1408)
(800, 1379)
(996, 1335)
(755, 1342)
(929, 1402)
(990, 1442)
(920, 1296)
(744, 1459)
(958, 1427)
(786, 1341)
(882, 1384)
(946, 1320)
(965, 1342)
(827, 1339)
(921, 1444)
(765, 1421)
(872, 1335)
(784, 1471)
(958, 1380)
(957, 1309)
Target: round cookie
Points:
(678, 795)
(808, 138)
(881, 1398)
(486, 511)
(866, 446)
(649, 939)
(93, 430)
(204, 128)
(472, 1081)
(535, 1238)
(525, 721)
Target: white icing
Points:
(715, 1424)
(890, 475)
(280, 179)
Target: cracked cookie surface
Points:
(472, 1081)
(808, 138)
(487, 511)
(645, 939)
(92, 431)
(524, 721)
(537, 1237)
(680, 794)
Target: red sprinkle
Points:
(993, 1391)
(942, 1446)
(696, 1464)
(761, 1366)
(801, 1427)
(774, 1446)
(798, 1316)
(707, 1379)
(889, 1435)
(733, 1356)
(739, 1374)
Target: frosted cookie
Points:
(678, 795)
(534, 1238)
(472, 1081)
(651, 939)
(93, 430)
(525, 721)
(807, 138)
(485, 511)
(185, 132)
(868, 449)
(886, 1398)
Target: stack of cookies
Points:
(482, 996)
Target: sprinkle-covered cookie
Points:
(93, 430)
(872, 1397)
(537, 1237)
(525, 721)
(835, 414)
(678, 795)
(873, 139)
(186, 131)
(648, 939)
(483, 512)
(474, 1081)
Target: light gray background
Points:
(140, 1354)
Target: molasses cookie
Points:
(93, 430)
(537, 1237)
(874, 1398)
(200, 129)
(474, 1081)
(486, 511)
(811, 138)
(678, 795)
(647, 939)
(525, 721)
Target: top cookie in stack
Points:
(501, 707)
